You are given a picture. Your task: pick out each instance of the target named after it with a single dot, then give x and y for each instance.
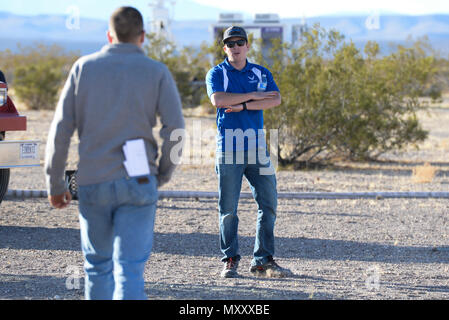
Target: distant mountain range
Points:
(91, 34)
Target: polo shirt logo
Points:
(252, 79)
(258, 73)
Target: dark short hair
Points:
(126, 23)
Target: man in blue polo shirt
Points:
(240, 91)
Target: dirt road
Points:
(337, 249)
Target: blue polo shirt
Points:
(244, 127)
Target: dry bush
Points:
(424, 174)
(445, 144)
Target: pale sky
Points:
(289, 8)
(187, 9)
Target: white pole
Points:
(281, 195)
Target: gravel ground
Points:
(337, 249)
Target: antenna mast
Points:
(162, 18)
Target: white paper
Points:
(136, 163)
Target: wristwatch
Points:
(244, 106)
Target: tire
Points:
(4, 176)
(4, 181)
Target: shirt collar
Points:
(122, 48)
(229, 66)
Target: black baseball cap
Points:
(234, 31)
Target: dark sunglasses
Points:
(231, 44)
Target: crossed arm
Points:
(254, 100)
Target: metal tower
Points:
(162, 18)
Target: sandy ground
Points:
(337, 249)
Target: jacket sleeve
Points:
(169, 108)
(60, 133)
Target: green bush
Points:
(337, 101)
(340, 102)
(37, 73)
(188, 67)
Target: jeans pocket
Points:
(143, 194)
(224, 170)
(224, 162)
(90, 194)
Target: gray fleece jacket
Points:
(112, 96)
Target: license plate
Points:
(28, 151)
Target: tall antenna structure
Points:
(298, 31)
(162, 18)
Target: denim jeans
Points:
(116, 224)
(230, 168)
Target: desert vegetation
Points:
(338, 101)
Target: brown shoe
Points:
(230, 268)
(270, 270)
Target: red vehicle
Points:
(13, 154)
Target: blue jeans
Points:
(116, 224)
(231, 167)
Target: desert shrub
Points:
(424, 174)
(340, 102)
(37, 73)
(188, 66)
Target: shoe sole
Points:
(269, 273)
(229, 275)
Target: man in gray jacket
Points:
(112, 98)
